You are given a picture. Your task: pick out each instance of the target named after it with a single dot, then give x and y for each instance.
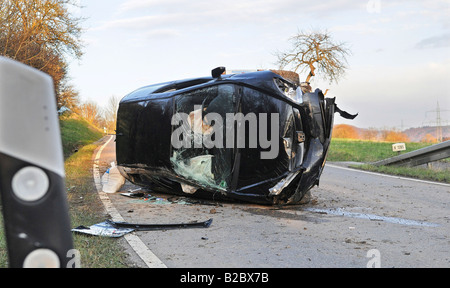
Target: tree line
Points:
(372, 134)
(345, 131)
(102, 117)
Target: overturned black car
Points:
(253, 137)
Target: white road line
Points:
(149, 258)
(389, 176)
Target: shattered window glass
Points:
(201, 154)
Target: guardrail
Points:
(422, 156)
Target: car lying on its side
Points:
(253, 137)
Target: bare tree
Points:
(111, 112)
(370, 134)
(316, 48)
(92, 113)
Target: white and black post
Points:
(32, 177)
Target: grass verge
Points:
(439, 175)
(76, 133)
(86, 209)
(367, 152)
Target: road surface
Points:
(355, 219)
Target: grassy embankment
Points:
(85, 206)
(367, 152)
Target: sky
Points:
(398, 70)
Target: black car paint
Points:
(144, 149)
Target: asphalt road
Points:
(355, 219)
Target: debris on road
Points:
(156, 200)
(133, 194)
(152, 227)
(113, 229)
(112, 180)
(103, 229)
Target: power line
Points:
(438, 121)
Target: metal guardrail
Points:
(418, 157)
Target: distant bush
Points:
(395, 136)
(345, 131)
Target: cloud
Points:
(162, 33)
(441, 41)
(210, 12)
(140, 23)
(359, 28)
(238, 6)
(139, 5)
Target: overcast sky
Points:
(398, 70)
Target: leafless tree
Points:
(111, 113)
(370, 134)
(315, 48)
(92, 113)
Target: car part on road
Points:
(152, 227)
(104, 229)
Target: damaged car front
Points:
(253, 137)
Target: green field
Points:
(365, 151)
(346, 150)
